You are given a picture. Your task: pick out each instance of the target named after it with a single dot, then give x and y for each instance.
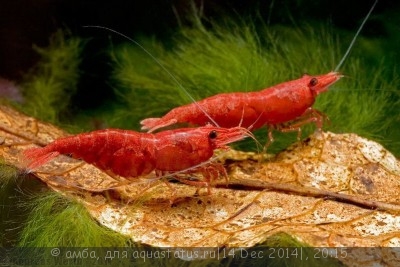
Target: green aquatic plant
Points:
(8, 176)
(48, 87)
(56, 221)
(45, 218)
(248, 56)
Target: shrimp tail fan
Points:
(36, 157)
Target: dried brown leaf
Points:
(320, 191)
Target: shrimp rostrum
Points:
(131, 154)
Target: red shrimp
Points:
(130, 154)
(271, 107)
(285, 107)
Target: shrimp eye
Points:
(313, 82)
(213, 134)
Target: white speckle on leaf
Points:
(376, 153)
(382, 223)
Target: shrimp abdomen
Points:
(124, 153)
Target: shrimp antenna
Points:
(355, 36)
(159, 64)
(252, 136)
(248, 130)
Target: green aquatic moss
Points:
(8, 174)
(248, 56)
(49, 86)
(56, 221)
(53, 220)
